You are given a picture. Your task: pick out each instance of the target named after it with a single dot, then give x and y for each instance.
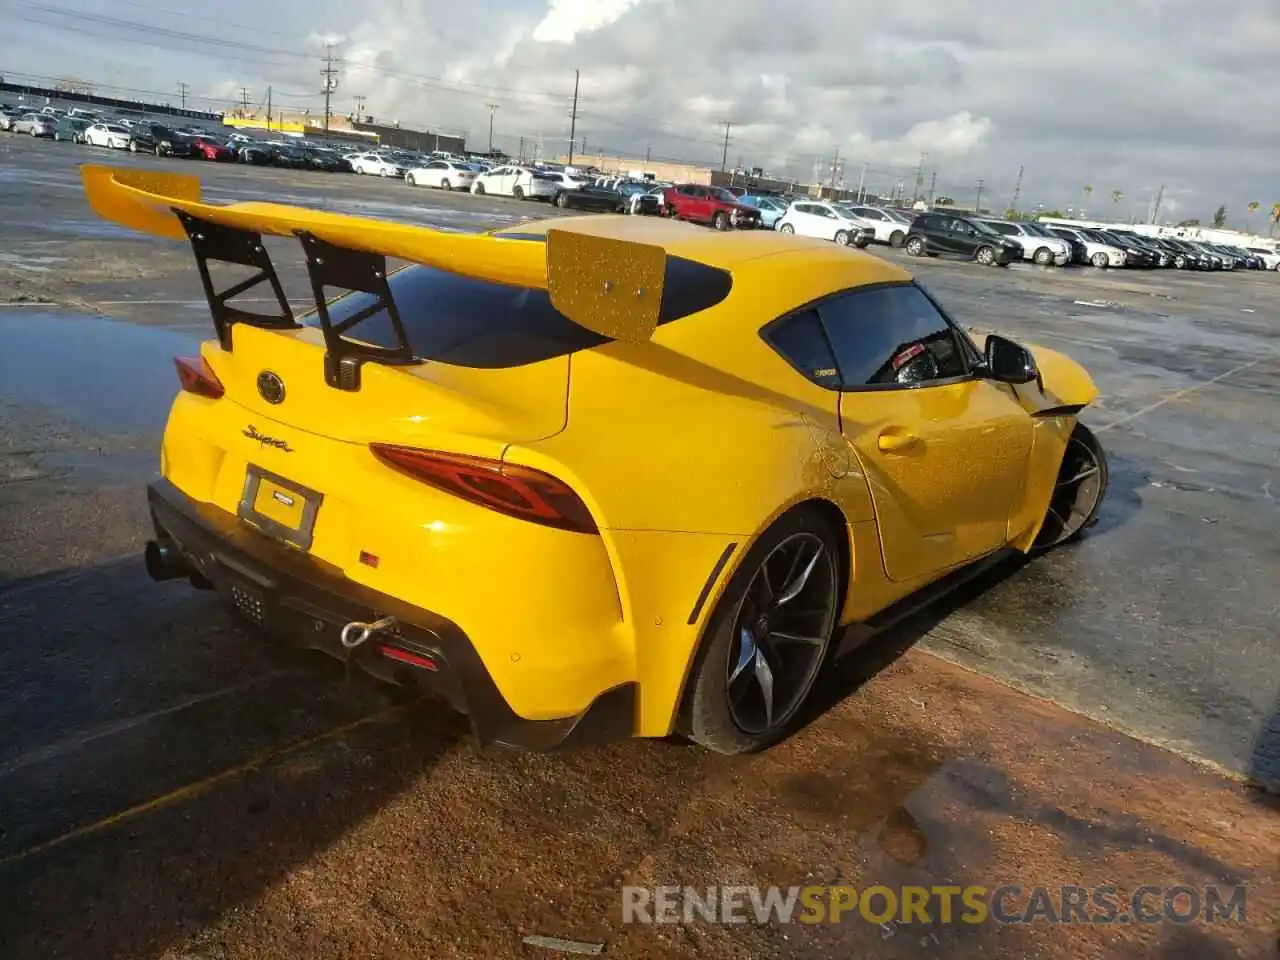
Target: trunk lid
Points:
(422, 404)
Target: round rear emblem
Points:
(271, 387)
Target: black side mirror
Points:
(1007, 362)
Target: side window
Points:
(1008, 229)
(891, 335)
(685, 191)
(802, 343)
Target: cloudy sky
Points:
(1123, 96)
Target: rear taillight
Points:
(197, 377)
(507, 488)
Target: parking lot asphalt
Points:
(171, 786)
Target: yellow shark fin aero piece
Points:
(611, 287)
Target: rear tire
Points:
(896, 238)
(561, 200)
(446, 185)
(517, 192)
(410, 179)
(1078, 491)
(915, 247)
(479, 189)
(786, 228)
(753, 641)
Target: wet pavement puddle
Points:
(95, 371)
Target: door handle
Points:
(896, 442)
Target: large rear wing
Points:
(609, 286)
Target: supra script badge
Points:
(263, 440)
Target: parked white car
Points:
(1037, 249)
(523, 183)
(442, 174)
(1099, 254)
(110, 135)
(374, 165)
(1270, 258)
(890, 226)
(567, 181)
(826, 221)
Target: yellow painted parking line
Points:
(201, 786)
(1179, 394)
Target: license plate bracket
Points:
(279, 507)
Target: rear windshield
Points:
(467, 322)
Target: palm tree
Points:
(1086, 192)
(1116, 196)
(1253, 208)
(1275, 218)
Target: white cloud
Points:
(1128, 97)
(566, 19)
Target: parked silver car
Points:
(36, 124)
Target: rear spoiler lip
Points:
(609, 286)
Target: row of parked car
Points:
(999, 242)
(988, 240)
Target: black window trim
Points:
(966, 347)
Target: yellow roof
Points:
(715, 248)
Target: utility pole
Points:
(182, 92)
(244, 102)
(493, 108)
(521, 157)
(835, 164)
(268, 109)
(977, 204)
(359, 98)
(330, 74)
(573, 120)
(648, 152)
(933, 184)
(919, 178)
(862, 180)
(1017, 191)
(1155, 208)
(724, 155)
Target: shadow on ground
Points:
(162, 768)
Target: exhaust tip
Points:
(164, 562)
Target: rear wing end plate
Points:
(611, 287)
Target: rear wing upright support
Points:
(216, 242)
(359, 272)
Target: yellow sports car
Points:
(594, 477)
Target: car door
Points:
(964, 237)
(944, 452)
(813, 221)
(940, 233)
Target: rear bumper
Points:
(308, 601)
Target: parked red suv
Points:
(710, 205)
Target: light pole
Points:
(493, 108)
